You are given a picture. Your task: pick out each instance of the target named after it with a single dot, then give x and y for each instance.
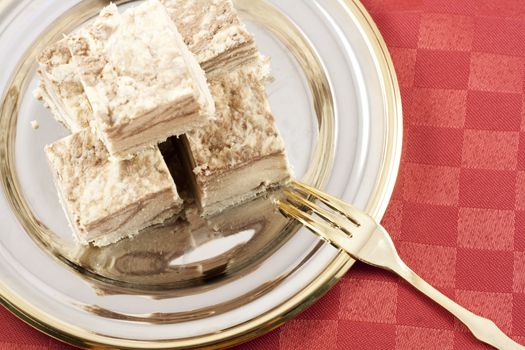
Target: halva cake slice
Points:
(240, 154)
(214, 33)
(141, 80)
(105, 200)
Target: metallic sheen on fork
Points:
(353, 231)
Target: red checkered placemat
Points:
(458, 211)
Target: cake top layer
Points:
(134, 62)
(93, 185)
(209, 27)
(59, 72)
(244, 129)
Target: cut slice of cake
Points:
(141, 80)
(105, 200)
(240, 154)
(214, 33)
(60, 88)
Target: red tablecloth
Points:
(458, 211)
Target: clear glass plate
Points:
(197, 283)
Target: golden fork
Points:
(356, 233)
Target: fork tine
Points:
(322, 229)
(332, 218)
(353, 214)
(319, 227)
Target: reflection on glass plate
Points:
(192, 281)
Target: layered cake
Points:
(214, 33)
(141, 80)
(60, 88)
(240, 154)
(105, 200)
(127, 82)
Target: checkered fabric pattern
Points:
(458, 211)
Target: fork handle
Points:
(482, 328)
(381, 253)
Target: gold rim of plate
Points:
(306, 297)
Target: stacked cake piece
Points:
(141, 80)
(130, 80)
(214, 33)
(240, 154)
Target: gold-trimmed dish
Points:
(337, 104)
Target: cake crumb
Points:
(34, 124)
